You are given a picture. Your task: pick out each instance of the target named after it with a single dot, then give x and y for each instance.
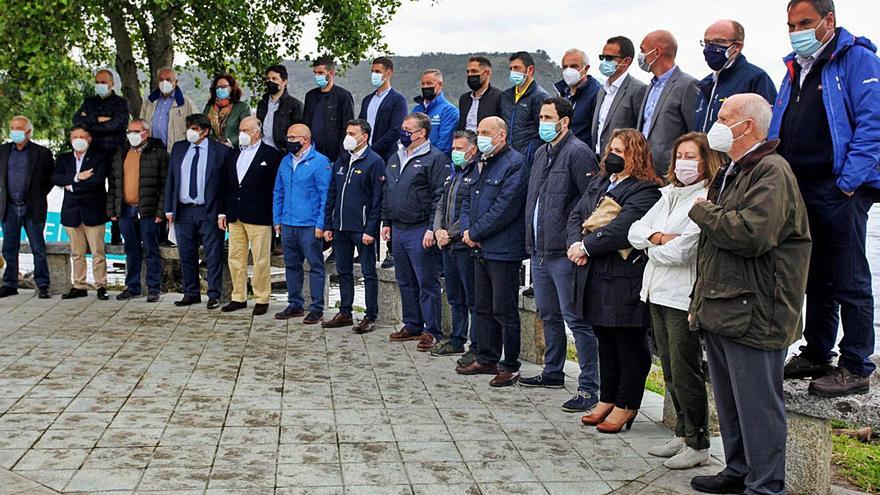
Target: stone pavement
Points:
(133, 397)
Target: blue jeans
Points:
(554, 298)
(344, 244)
(140, 233)
(16, 218)
(415, 269)
(193, 227)
(458, 269)
(300, 245)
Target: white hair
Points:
(117, 81)
(163, 69)
(585, 59)
(435, 72)
(29, 126)
(755, 107)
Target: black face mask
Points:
(429, 93)
(614, 163)
(474, 82)
(294, 146)
(272, 87)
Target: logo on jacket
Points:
(358, 171)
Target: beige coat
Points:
(176, 119)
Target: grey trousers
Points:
(751, 412)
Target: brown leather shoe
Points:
(476, 368)
(504, 379)
(403, 335)
(427, 342)
(338, 321)
(364, 326)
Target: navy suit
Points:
(86, 204)
(197, 224)
(389, 117)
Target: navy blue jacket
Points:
(493, 211)
(411, 196)
(448, 214)
(40, 165)
(213, 176)
(584, 103)
(251, 199)
(389, 118)
(354, 198)
(741, 77)
(86, 204)
(522, 118)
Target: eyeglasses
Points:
(610, 58)
(703, 43)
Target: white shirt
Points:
(79, 163)
(806, 63)
(470, 122)
(355, 155)
(269, 122)
(610, 93)
(244, 160)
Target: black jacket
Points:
(410, 198)
(448, 214)
(560, 175)
(490, 106)
(289, 112)
(86, 204)
(151, 185)
(40, 164)
(109, 135)
(354, 197)
(607, 288)
(338, 110)
(251, 200)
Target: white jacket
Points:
(672, 268)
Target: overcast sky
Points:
(463, 26)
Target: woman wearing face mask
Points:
(669, 237)
(609, 275)
(225, 109)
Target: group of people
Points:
(703, 213)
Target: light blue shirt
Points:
(159, 124)
(269, 122)
(183, 189)
(373, 109)
(657, 85)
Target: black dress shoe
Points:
(153, 297)
(289, 313)
(188, 301)
(260, 309)
(43, 293)
(213, 303)
(313, 317)
(102, 294)
(717, 484)
(232, 306)
(388, 262)
(7, 291)
(798, 366)
(73, 293)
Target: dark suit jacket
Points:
(624, 111)
(490, 106)
(40, 164)
(86, 204)
(386, 130)
(673, 117)
(251, 200)
(213, 176)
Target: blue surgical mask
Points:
(222, 93)
(102, 90)
(517, 78)
(608, 67)
(321, 81)
(458, 158)
(377, 79)
(548, 131)
(17, 136)
(484, 144)
(804, 42)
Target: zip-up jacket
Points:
(522, 118)
(741, 77)
(448, 214)
(444, 117)
(414, 186)
(354, 198)
(300, 195)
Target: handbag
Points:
(605, 212)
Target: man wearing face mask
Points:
(246, 212)
(580, 89)
(669, 107)
(166, 109)
(193, 197)
(82, 173)
(483, 100)
(560, 173)
(277, 110)
(384, 109)
(617, 104)
(732, 73)
(413, 188)
(135, 199)
(458, 264)
(827, 117)
(521, 105)
(443, 114)
(352, 218)
(328, 107)
(752, 264)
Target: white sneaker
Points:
(668, 449)
(688, 458)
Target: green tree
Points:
(47, 48)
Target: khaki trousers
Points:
(91, 238)
(259, 239)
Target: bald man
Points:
(299, 202)
(669, 105)
(248, 181)
(731, 73)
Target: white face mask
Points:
(571, 76)
(244, 139)
(687, 171)
(166, 87)
(192, 135)
(134, 139)
(720, 136)
(79, 145)
(350, 143)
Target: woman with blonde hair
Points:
(669, 237)
(609, 275)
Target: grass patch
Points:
(858, 462)
(655, 382)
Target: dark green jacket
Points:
(154, 167)
(754, 254)
(229, 136)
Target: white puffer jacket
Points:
(672, 268)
